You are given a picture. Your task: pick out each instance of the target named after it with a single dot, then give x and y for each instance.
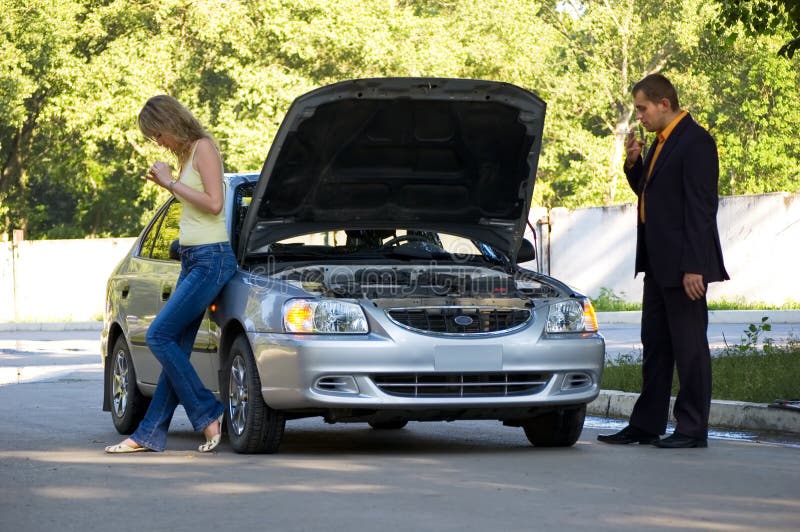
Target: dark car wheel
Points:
(394, 424)
(128, 405)
(560, 428)
(253, 427)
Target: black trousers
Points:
(674, 334)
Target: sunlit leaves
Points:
(763, 17)
(74, 74)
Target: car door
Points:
(151, 280)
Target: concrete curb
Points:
(25, 374)
(728, 414)
(714, 316)
(58, 326)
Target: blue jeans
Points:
(205, 270)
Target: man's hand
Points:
(694, 286)
(633, 149)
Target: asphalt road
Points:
(465, 476)
(625, 338)
(27, 356)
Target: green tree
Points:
(74, 74)
(763, 17)
(604, 47)
(65, 173)
(36, 69)
(749, 104)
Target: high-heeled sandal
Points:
(213, 442)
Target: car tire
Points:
(560, 428)
(253, 427)
(393, 424)
(128, 405)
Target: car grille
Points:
(460, 384)
(459, 320)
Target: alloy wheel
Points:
(237, 395)
(119, 384)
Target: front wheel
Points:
(560, 428)
(253, 427)
(128, 405)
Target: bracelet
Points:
(171, 184)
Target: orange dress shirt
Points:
(662, 138)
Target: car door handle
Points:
(166, 291)
(125, 291)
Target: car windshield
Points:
(366, 244)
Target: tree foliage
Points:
(751, 110)
(603, 48)
(74, 74)
(763, 17)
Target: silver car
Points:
(378, 276)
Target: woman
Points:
(207, 263)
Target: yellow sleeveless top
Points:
(199, 227)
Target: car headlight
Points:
(572, 315)
(323, 317)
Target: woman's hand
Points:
(208, 163)
(160, 174)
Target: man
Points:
(678, 250)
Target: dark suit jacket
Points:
(681, 199)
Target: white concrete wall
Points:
(57, 280)
(64, 280)
(595, 247)
(761, 242)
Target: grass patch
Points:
(739, 303)
(755, 377)
(742, 372)
(608, 301)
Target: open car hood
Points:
(447, 155)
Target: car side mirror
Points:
(526, 251)
(175, 250)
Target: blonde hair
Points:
(164, 114)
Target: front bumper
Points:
(408, 372)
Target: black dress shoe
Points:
(681, 441)
(629, 435)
